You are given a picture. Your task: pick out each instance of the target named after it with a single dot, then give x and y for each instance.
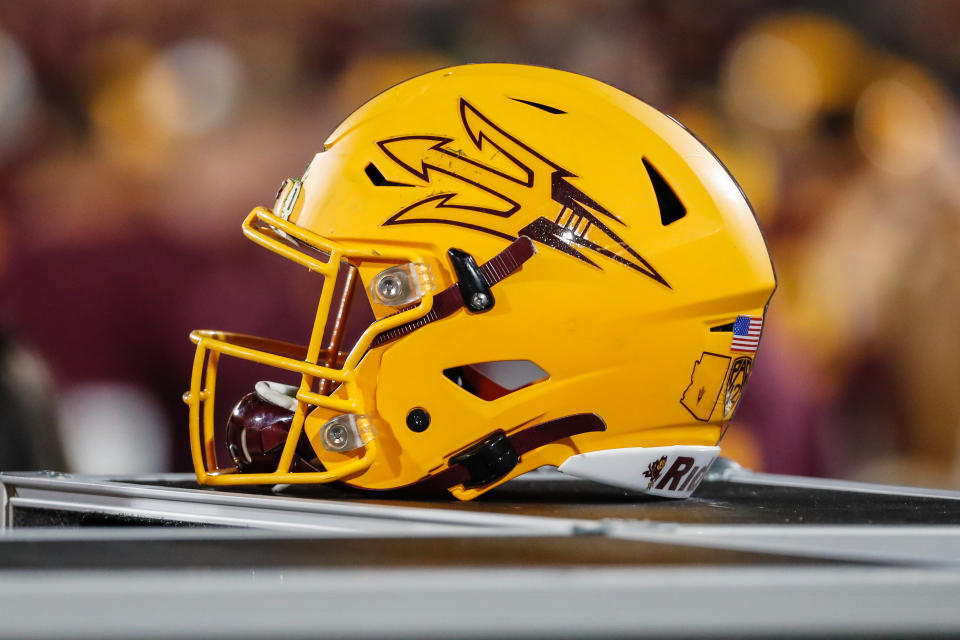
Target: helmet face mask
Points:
(552, 273)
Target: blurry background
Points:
(134, 137)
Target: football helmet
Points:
(542, 271)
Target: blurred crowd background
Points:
(134, 137)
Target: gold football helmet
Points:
(541, 270)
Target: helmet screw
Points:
(418, 420)
(337, 436)
(479, 300)
(389, 287)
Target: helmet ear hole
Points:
(494, 380)
(418, 420)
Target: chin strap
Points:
(498, 454)
(450, 299)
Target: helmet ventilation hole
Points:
(494, 380)
(378, 179)
(671, 209)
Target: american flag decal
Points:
(746, 334)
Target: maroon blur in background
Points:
(135, 136)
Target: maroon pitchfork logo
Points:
(494, 190)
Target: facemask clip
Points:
(346, 432)
(401, 285)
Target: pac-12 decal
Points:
(706, 382)
(486, 196)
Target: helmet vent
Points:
(379, 180)
(671, 209)
(494, 380)
(544, 107)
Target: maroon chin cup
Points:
(256, 433)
